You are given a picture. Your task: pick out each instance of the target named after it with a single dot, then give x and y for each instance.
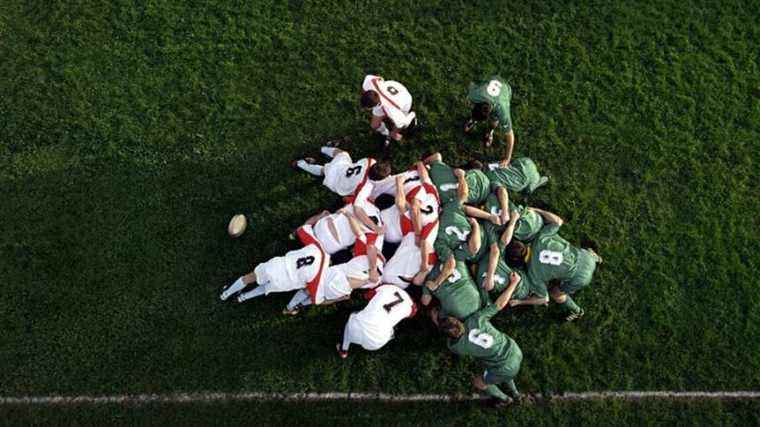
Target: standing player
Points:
(391, 106)
(451, 283)
(490, 99)
(350, 179)
(549, 258)
(373, 327)
(478, 338)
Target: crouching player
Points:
(452, 284)
(373, 327)
(478, 338)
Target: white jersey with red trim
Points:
(388, 185)
(343, 176)
(302, 265)
(395, 100)
(334, 286)
(357, 268)
(373, 327)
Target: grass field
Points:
(130, 132)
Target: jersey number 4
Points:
(480, 339)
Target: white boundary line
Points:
(211, 397)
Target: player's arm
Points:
(473, 245)
(493, 261)
(463, 190)
(400, 194)
(423, 172)
(425, 251)
(506, 236)
(364, 218)
(446, 270)
(356, 228)
(509, 139)
(374, 275)
(549, 218)
(474, 212)
(503, 196)
(505, 296)
(416, 221)
(534, 300)
(435, 157)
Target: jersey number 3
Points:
(480, 339)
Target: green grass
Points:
(130, 132)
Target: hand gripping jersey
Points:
(395, 100)
(399, 225)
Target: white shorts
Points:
(405, 263)
(370, 337)
(274, 275)
(335, 175)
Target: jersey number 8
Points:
(480, 339)
(550, 257)
(494, 88)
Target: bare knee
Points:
(558, 296)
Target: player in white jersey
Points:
(340, 230)
(353, 180)
(340, 280)
(302, 268)
(416, 208)
(391, 106)
(373, 326)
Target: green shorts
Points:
(506, 372)
(584, 272)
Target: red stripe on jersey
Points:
(313, 285)
(432, 258)
(370, 162)
(377, 87)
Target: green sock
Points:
(570, 306)
(512, 388)
(494, 391)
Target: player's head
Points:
(369, 99)
(481, 111)
(451, 327)
(379, 171)
(473, 164)
(515, 253)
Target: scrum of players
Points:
(463, 249)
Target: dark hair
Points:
(369, 99)
(385, 201)
(379, 171)
(451, 327)
(481, 111)
(515, 253)
(473, 164)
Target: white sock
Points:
(259, 291)
(233, 289)
(312, 169)
(493, 166)
(345, 343)
(329, 151)
(383, 129)
(301, 297)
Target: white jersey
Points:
(395, 100)
(343, 176)
(296, 270)
(373, 327)
(334, 286)
(388, 185)
(303, 265)
(358, 268)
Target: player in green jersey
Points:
(478, 338)
(551, 258)
(490, 99)
(444, 178)
(520, 175)
(458, 235)
(452, 283)
(531, 219)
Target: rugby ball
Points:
(237, 225)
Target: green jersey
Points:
(445, 181)
(521, 175)
(489, 233)
(484, 342)
(453, 232)
(525, 287)
(529, 224)
(459, 295)
(496, 92)
(479, 186)
(552, 257)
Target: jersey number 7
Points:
(393, 303)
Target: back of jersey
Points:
(389, 306)
(304, 264)
(552, 256)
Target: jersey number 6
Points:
(480, 339)
(353, 171)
